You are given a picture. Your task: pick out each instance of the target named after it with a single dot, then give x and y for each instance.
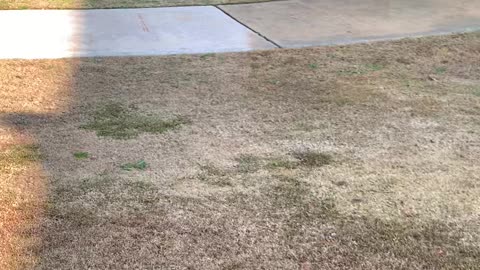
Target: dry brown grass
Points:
(86, 4)
(21, 198)
(350, 157)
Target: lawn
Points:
(348, 157)
(82, 4)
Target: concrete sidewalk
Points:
(230, 28)
(32, 34)
(301, 23)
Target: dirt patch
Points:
(359, 157)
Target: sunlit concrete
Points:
(179, 30)
(117, 32)
(300, 23)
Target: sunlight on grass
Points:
(18, 204)
(18, 156)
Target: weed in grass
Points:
(119, 122)
(81, 155)
(440, 70)
(313, 66)
(249, 164)
(139, 165)
(313, 159)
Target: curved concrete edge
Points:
(349, 41)
(303, 23)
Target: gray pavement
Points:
(230, 28)
(32, 34)
(301, 23)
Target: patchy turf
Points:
(87, 4)
(139, 165)
(81, 155)
(119, 122)
(348, 157)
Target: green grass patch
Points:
(81, 155)
(139, 165)
(120, 122)
(440, 70)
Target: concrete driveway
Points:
(300, 23)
